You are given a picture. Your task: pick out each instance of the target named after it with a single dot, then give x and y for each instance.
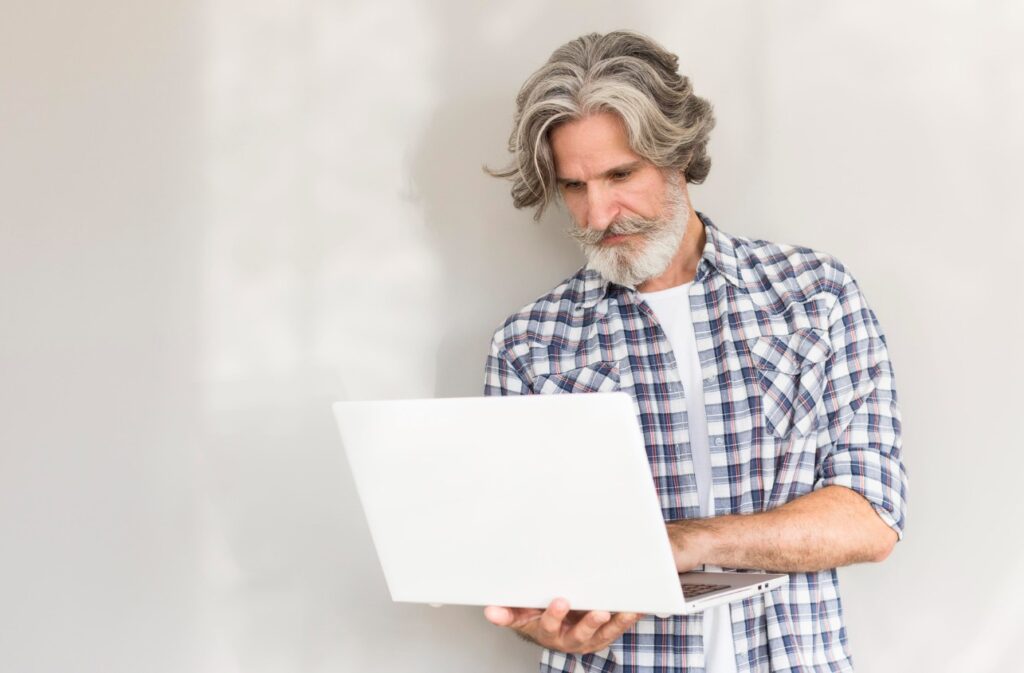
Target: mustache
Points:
(624, 226)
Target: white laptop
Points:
(514, 501)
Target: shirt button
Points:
(578, 308)
(719, 441)
(709, 379)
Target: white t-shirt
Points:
(672, 308)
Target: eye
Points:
(572, 186)
(619, 176)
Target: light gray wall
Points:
(216, 218)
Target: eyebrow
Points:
(631, 166)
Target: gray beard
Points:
(633, 262)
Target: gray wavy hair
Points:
(622, 72)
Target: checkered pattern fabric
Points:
(799, 394)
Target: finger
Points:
(525, 616)
(511, 617)
(584, 630)
(616, 626)
(550, 624)
(498, 615)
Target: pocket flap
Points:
(599, 377)
(790, 353)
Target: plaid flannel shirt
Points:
(799, 394)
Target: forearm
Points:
(827, 528)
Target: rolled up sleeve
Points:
(863, 448)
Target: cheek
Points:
(640, 204)
(644, 199)
(577, 208)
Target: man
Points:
(759, 374)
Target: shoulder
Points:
(548, 317)
(783, 276)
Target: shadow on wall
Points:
(494, 259)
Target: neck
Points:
(683, 267)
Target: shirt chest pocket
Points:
(599, 377)
(790, 373)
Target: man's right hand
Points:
(559, 628)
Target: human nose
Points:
(602, 208)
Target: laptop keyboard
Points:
(694, 590)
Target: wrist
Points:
(693, 542)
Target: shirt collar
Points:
(719, 255)
(720, 252)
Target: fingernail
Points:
(494, 613)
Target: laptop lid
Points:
(512, 501)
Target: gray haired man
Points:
(760, 376)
